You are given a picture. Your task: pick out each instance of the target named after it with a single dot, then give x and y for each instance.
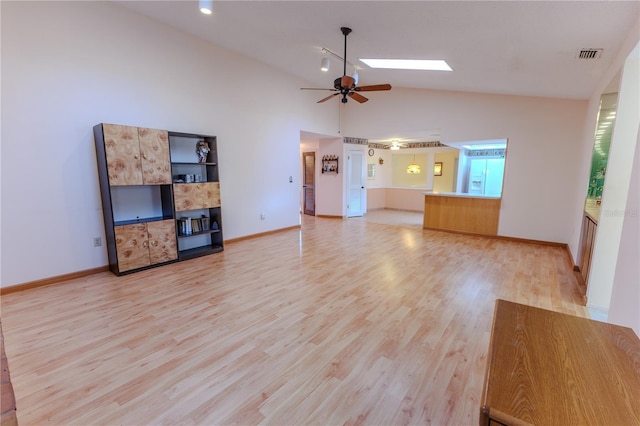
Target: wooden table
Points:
(549, 368)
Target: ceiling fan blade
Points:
(327, 98)
(373, 88)
(315, 88)
(347, 81)
(358, 97)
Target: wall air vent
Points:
(589, 53)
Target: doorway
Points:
(308, 183)
(356, 191)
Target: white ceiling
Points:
(504, 47)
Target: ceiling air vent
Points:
(589, 53)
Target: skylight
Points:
(409, 64)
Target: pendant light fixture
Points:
(324, 64)
(413, 168)
(206, 6)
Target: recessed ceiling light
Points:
(409, 64)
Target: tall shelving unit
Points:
(146, 196)
(196, 191)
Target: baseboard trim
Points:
(261, 234)
(52, 280)
(65, 277)
(328, 216)
(403, 210)
(502, 237)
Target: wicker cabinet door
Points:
(123, 154)
(162, 241)
(132, 246)
(193, 196)
(154, 150)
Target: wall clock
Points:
(371, 152)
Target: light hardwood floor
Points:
(341, 322)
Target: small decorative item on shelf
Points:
(202, 149)
(214, 226)
(205, 222)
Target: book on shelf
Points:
(195, 225)
(189, 226)
(185, 227)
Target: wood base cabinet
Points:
(589, 228)
(136, 156)
(152, 184)
(144, 244)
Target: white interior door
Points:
(356, 191)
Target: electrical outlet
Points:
(97, 241)
(262, 216)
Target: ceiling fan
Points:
(346, 85)
(395, 145)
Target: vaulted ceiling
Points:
(507, 47)
(503, 47)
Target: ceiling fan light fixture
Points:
(346, 86)
(206, 6)
(325, 64)
(394, 148)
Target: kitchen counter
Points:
(462, 195)
(473, 214)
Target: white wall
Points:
(613, 209)
(329, 186)
(614, 290)
(624, 308)
(383, 171)
(67, 66)
(540, 188)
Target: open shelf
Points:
(142, 220)
(198, 251)
(195, 234)
(193, 163)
